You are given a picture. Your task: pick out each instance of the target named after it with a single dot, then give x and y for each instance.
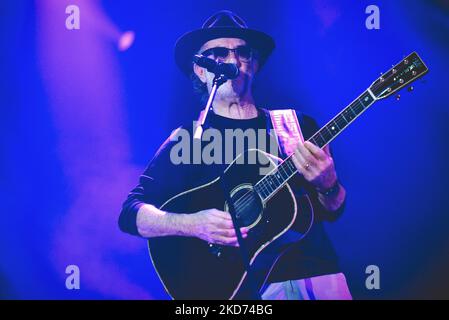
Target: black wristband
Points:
(331, 191)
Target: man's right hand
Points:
(215, 226)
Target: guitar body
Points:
(191, 268)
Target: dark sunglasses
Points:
(244, 53)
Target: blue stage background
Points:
(80, 120)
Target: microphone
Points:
(229, 70)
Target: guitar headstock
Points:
(399, 76)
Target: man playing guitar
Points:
(310, 269)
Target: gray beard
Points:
(227, 91)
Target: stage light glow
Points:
(126, 40)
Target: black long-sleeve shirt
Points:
(162, 179)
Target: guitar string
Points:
(246, 198)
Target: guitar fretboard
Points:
(272, 182)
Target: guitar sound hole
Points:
(248, 206)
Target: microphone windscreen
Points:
(232, 71)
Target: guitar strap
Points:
(286, 130)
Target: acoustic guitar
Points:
(190, 268)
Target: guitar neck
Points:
(280, 175)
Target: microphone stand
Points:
(249, 291)
(219, 79)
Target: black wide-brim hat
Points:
(223, 24)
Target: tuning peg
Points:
(398, 97)
(410, 89)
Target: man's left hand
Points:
(315, 164)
